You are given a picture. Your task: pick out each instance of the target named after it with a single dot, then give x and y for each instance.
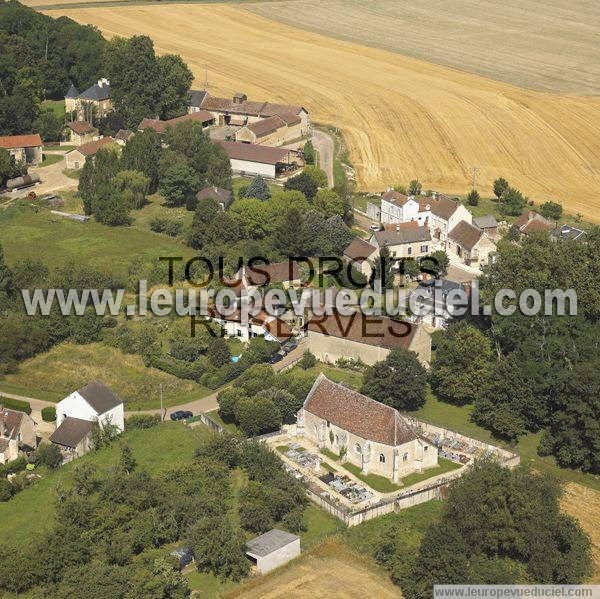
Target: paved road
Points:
(324, 145)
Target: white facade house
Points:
(438, 212)
(77, 414)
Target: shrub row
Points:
(12, 467)
(15, 404)
(142, 421)
(179, 368)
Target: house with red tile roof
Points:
(17, 433)
(23, 148)
(374, 436)
(468, 244)
(531, 221)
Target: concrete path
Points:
(325, 146)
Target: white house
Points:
(77, 414)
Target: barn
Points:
(24, 148)
(251, 159)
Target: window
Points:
(409, 251)
(239, 333)
(337, 440)
(405, 457)
(424, 249)
(357, 448)
(426, 448)
(381, 458)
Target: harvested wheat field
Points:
(584, 504)
(330, 570)
(402, 117)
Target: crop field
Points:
(401, 117)
(331, 570)
(584, 504)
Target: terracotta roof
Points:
(71, 432)
(359, 249)
(254, 152)
(90, 148)
(290, 118)
(525, 222)
(266, 126)
(272, 324)
(248, 107)
(279, 329)
(156, 124)
(224, 196)
(395, 197)
(535, 225)
(378, 331)
(278, 272)
(99, 396)
(202, 116)
(401, 233)
(123, 135)
(236, 285)
(465, 234)
(81, 127)
(20, 141)
(357, 413)
(10, 422)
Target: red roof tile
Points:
(20, 141)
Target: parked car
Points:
(275, 358)
(375, 227)
(181, 415)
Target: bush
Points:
(49, 414)
(48, 454)
(179, 368)
(13, 467)
(308, 360)
(15, 404)
(168, 226)
(6, 490)
(142, 421)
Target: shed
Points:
(251, 159)
(23, 148)
(273, 549)
(184, 555)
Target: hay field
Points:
(331, 570)
(402, 118)
(549, 45)
(584, 504)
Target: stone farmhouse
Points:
(374, 436)
(531, 221)
(368, 337)
(286, 274)
(469, 245)
(93, 103)
(17, 433)
(275, 130)
(201, 116)
(77, 414)
(240, 111)
(23, 148)
(76, 158)
(362, 254)
(264, 325)
(81, 132)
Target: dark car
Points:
(181, 415)
(275, 358)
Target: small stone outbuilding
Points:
(273, 549)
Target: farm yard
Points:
(401, 117)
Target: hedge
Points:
(15, 404)
(179, 368)
(49, 414)
(142, 421)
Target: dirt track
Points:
(402, 118)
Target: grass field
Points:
(39, 235)
(32, 510)
(67, 366)
(330, 570)
(402, 117)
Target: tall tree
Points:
(143, 153)
(175, 80)
(258, 189)
(500, 186)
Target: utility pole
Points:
(475, 169)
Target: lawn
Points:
(57, 106)
(68, 366)
(59, 148)
(72, 174)
(154, 207)
(458, 419)
(330, 454)
(245, 181)
(443, 466)
(351, 378)
(49, 159)
(376, 482)
(37, 234)
(32, 511)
